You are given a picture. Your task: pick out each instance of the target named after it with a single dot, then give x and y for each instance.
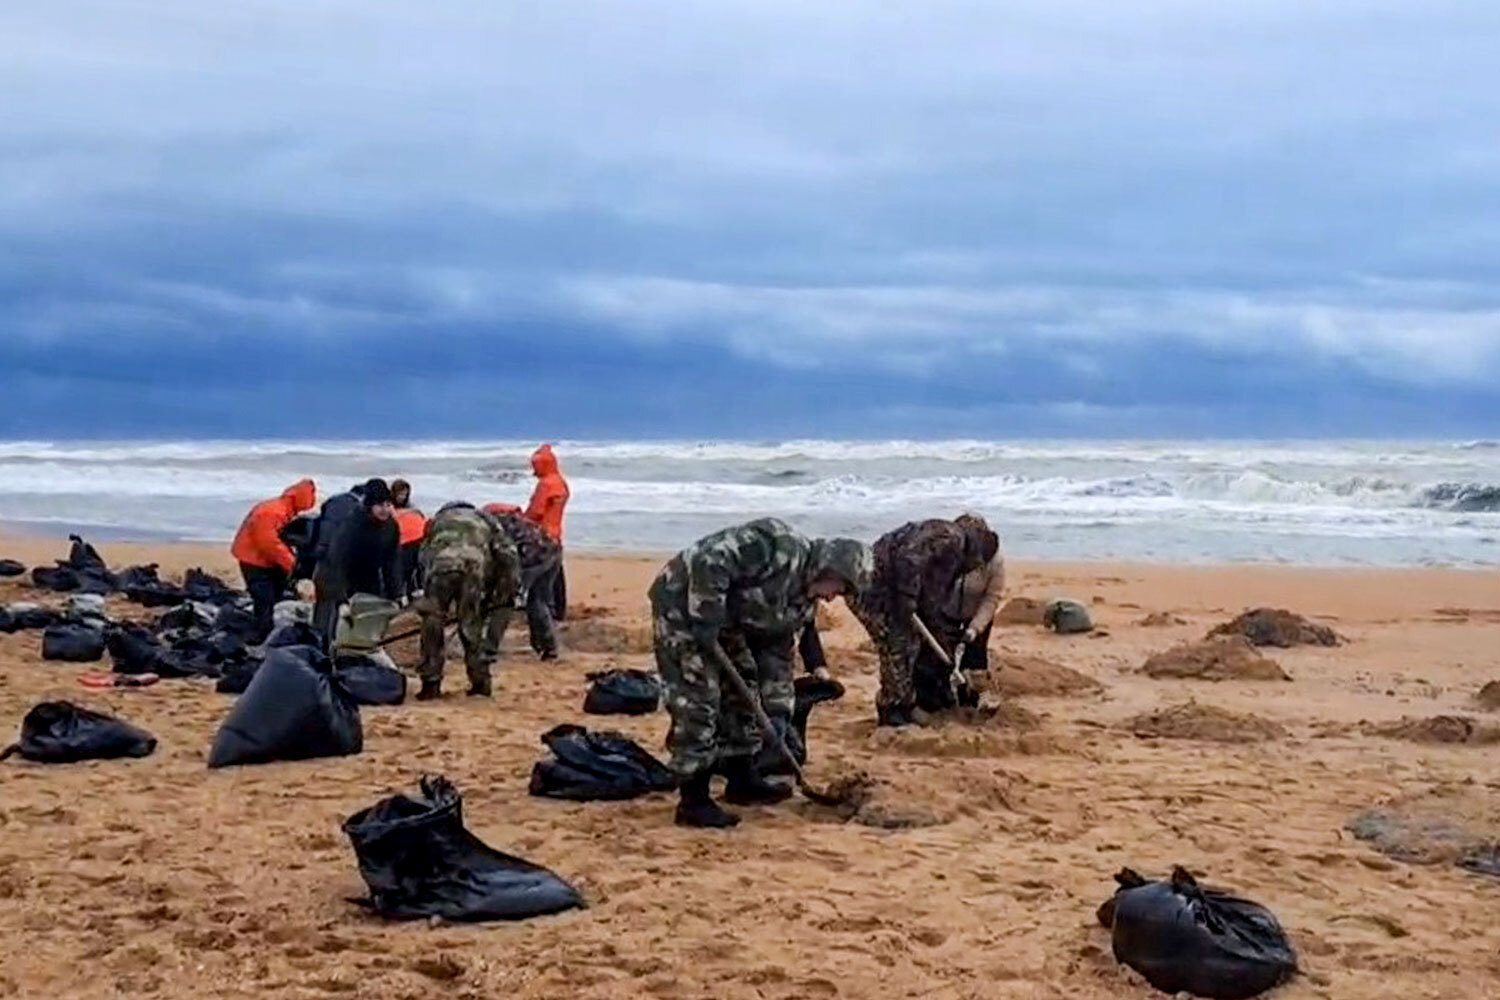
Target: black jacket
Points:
(337, 511)
(363, 557)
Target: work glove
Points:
(822, 674)
(969, 636)
(306, 591)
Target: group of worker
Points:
(739, 600)
(464, 566)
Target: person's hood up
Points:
(980, 542)
(845, 558)
(544, 462)
(400, 493)
(303, 494)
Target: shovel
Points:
(956, 681)
(830, 797)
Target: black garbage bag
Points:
(206, 587)
(83, 557)
(58, 578)
(60, 732)
(293, 709)
(157, 595)
(188, 616)
(94, 576)
(811, 692)
(370, 682)
(1187, 939)
(603, 766)
(188, 653)
(9, 567)
(16, 617)
(293, 634)
(133, 649)
(237, 677)
(235, 620)
(72, 643)
(137, 576)
(622, 692)
(419, 862)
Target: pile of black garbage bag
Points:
(60, 732)
(1187, 939)
(9, 567)
(194, 639)
(419, 862)
(369, 679)
(84, 571)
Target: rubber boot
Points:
(697, 807)
(745, 787)
(431, 691)
(480, 690)
(892, 715)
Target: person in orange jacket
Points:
(412, 524)
(548, 502)
(265, 560)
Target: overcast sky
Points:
(782, 217)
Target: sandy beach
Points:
(974, 873)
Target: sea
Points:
(1336, 503)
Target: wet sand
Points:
(975, 872)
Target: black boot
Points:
(697, 807)
(480, 690)
(891, 715)
(431, 691)
(745, 786)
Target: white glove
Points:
(306, 591)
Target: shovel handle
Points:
(767, 728)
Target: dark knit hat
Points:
(376, 492)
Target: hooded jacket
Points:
(550, 497)
(258, 542)
(412, 524)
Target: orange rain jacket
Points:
(258, 542)
(412, 524)
(551, 494)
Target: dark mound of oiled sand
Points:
(1192, 721)
(1437, 729)
(1021, 611)
(1014, 675)
(1451, 824)
(1488, 697)
(1228, 658)
(1279, 628)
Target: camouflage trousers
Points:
(710, 722)
(465, 597)
(911, 675)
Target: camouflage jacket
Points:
(918, 565)
(535, 546)
(462, 539)
(752, 577)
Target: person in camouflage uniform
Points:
(471, 569)
(744, 593)
(541, 561)
(917, 568)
